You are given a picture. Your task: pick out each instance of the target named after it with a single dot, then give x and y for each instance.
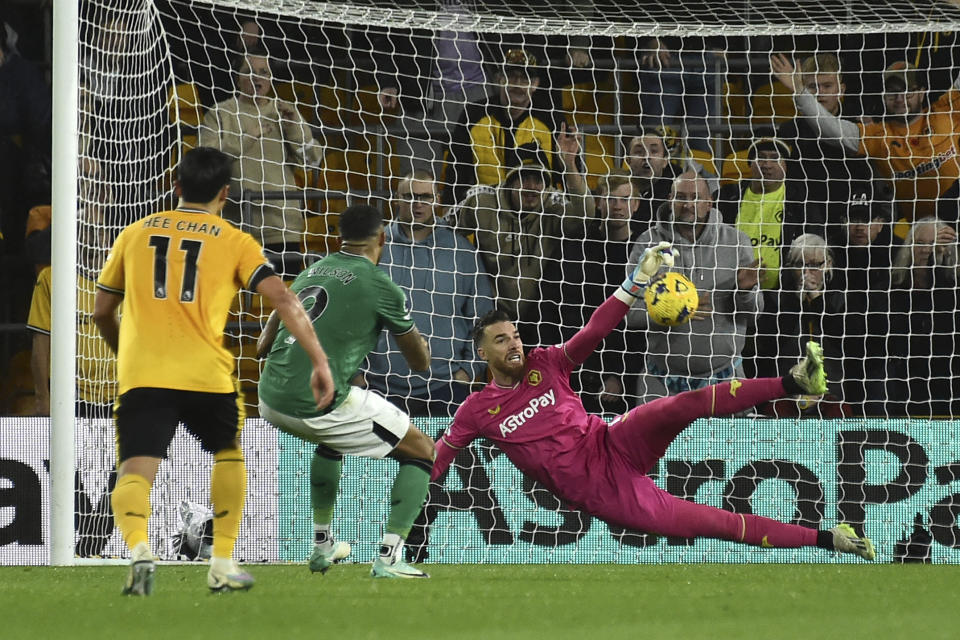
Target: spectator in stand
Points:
(204, 48)
(923, 348)
(267, 137)
(590, 267)
(519, 228)
(649, 164)
(25, 110)
(96, 362)
(123, 96)
(826, 168)
(681, 157)
(429, 77)
(96, 374)
(657, 155)
(485, 144)
(719, 260)
(678, 85)
(447, 290)
(769, 208)
(804, 308)
(250, 36)
(914, 144)
(862, 263)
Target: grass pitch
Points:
(492, 601)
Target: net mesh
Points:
(327, 104)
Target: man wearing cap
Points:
(915, 143)
(864, 245)
(519, 228)
(483, 148)
(768, 207)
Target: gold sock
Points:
(228, 487)
(131, 508)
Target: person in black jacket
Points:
(863, 240)
(827, 168)
(922, 344)
(591, 266)
(648, 161)
(487, 142)
(806, 307)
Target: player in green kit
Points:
(350, 301)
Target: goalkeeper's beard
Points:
(512, 368)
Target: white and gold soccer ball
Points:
(671, 299)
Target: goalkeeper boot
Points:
(846, 540)
(389, 565)
(142, 567)
(808, 373)
(323, 557)
(226, 575)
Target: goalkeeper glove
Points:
(650, 262)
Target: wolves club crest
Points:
(534, 377)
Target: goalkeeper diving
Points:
(533, 415)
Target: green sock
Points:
(324, 481)
(407, 496)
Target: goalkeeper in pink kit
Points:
(532, 414)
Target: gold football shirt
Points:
(179, 272)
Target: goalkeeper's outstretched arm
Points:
(609, 314)
(446, 452)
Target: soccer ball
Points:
(671, 299)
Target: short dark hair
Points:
(360, 222)
(202, 172)
(490, 317)
(255, 52)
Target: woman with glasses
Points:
(805, 308)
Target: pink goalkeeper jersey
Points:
(541, 424)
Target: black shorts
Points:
(148, 417)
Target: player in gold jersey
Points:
(177, 273)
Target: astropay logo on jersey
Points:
(510, 424)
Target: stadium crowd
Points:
(520, 175)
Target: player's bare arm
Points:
(105, 307)
(415, 350)
(40, 368)
(268, 334)
(289, 309)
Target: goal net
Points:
(812, 195)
